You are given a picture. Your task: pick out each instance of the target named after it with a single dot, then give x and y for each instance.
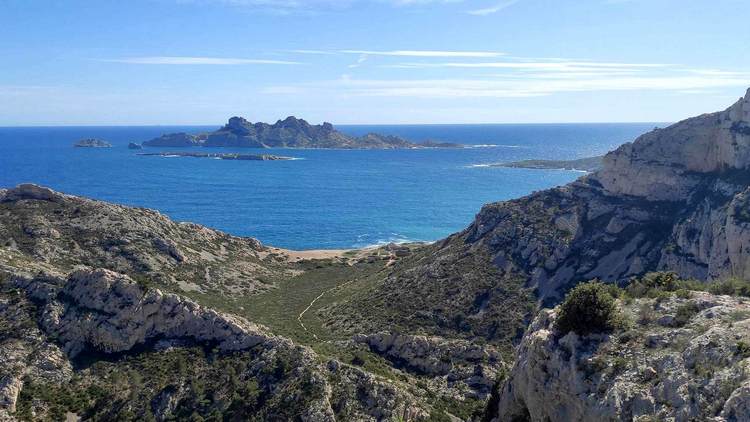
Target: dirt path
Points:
(301, 314)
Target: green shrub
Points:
(732, 286)
(653, 285)
(743, 349)
(646, 314)
(588, 308)
(683, 294)
(358, 359)
(661, 285)
(684, 313)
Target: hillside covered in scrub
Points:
(112, 312)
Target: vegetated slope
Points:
(95, 296)
(675, 199)
(103, 347)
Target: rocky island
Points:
(133, 145)
(288, 133)
(588, 164)
(620, 296)
(92, 143)
(218, 156)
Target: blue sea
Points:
(327, 199)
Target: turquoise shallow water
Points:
(327, 198)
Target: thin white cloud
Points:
(297, 6)
(562, 66)
(317, 52)
(492, 9)
(179, 60)
(362, 58)
(534, 84)
(425, 53)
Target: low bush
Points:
(588, 308)
(732, 286)
(743, 349)
(685, 313)
(660, 285)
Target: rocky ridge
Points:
(45, 230)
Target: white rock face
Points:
(676, 199)
(110, 312)
(660, 165)
(457, 367)
(693, 372)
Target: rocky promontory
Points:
(92, 143)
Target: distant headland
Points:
(288, 133)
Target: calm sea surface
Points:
(327, 198)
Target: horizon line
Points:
(336, 124)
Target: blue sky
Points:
(102, 62)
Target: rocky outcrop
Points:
(92, 143)
(458, 367)
(109, 312)
(438, 144)
(668, 164)
(218, 156)
(587, 164)
(659, 369)
(133, 145)
(180, 139)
